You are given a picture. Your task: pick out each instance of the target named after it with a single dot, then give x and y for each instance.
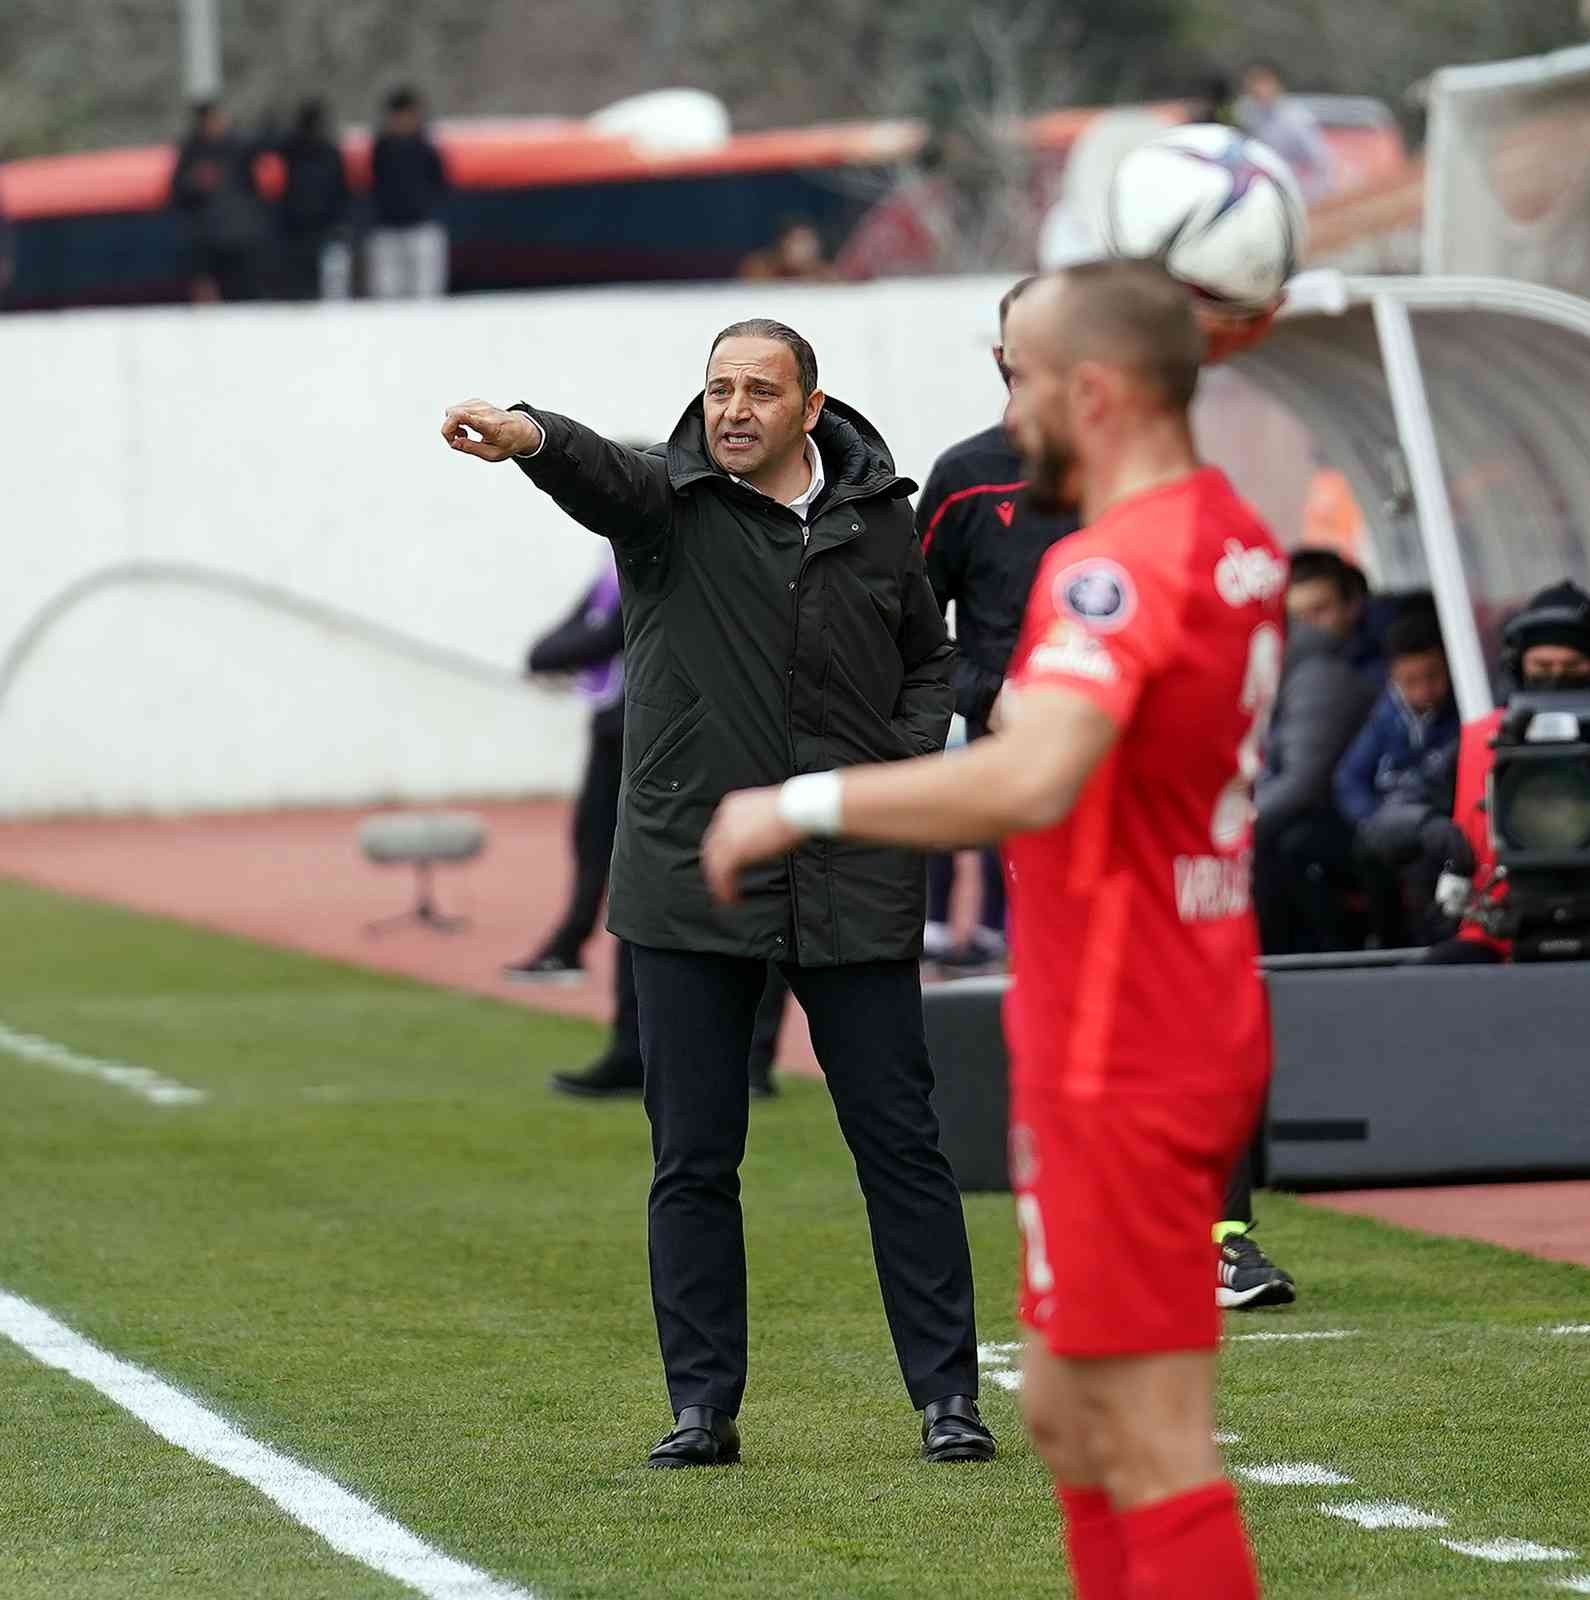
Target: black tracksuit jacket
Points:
(983, 544)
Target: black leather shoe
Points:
(702, 1437)
(602, 1080)
(952, 1430)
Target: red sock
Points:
(1190, 1547)
(1095, 1547)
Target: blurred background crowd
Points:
(829, 139)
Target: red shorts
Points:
(1116, 1197)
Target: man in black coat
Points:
(777, 620)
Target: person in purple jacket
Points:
(589, 643)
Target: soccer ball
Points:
(1221, 210)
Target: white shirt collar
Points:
(802, 503)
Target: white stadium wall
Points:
(201, 507)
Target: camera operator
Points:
(1441, 817)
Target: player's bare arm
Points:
(478, 428)
(1027, 776)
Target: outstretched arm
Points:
(620, 493)
(1025, 777)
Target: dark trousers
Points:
(941, 882)
(1302, 873)
(696, 1017)
(623, 1048)
(595, 823)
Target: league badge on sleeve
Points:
(1099, 593)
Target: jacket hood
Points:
(855, 458)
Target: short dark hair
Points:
(780, 333)
(1415, 633)
(1310, 563)
(1265, 64)
(1134, 312)
(404, 98)
(1011, 296)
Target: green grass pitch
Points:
(384, 1248)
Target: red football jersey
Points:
(1133, 942)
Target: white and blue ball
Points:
(1222, 211)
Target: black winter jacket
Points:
(754, 652)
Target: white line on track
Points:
(138, 1080)
(1375, 1514)
(1508, 1550)
(1281, 1473)
(347, 1523)
(1280, 1338)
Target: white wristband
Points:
(812, 803)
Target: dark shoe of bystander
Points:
(701, 1437)
(953, 1430)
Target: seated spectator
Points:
(1414, 720)
(796, 253)
(1302, 869)
(1326, 591)
(1272, 116)
(1302, 865)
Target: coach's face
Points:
(757, 418)
(1038, 416)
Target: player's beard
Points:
(1048, 476)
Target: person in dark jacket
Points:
(408, 194)
(215, 186)
(317, 259)
(1414, 719)
(777, 620)
(982, 542)
(1302, 844)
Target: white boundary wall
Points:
(298, 447)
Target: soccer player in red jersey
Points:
(1120, 778)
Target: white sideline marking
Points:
(1573, 1327)
(1309, 1473)
(1226, 1436)
(347, 1523)
(1373, 1514)
(1508, 1550)
(998, 1362)
(1277, 1338)
(1579, 1585)
(139, 1080)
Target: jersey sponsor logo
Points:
(1073, 652)
(1098, 592)
(1006, 511)
(1213, 888)
(1248, 574)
